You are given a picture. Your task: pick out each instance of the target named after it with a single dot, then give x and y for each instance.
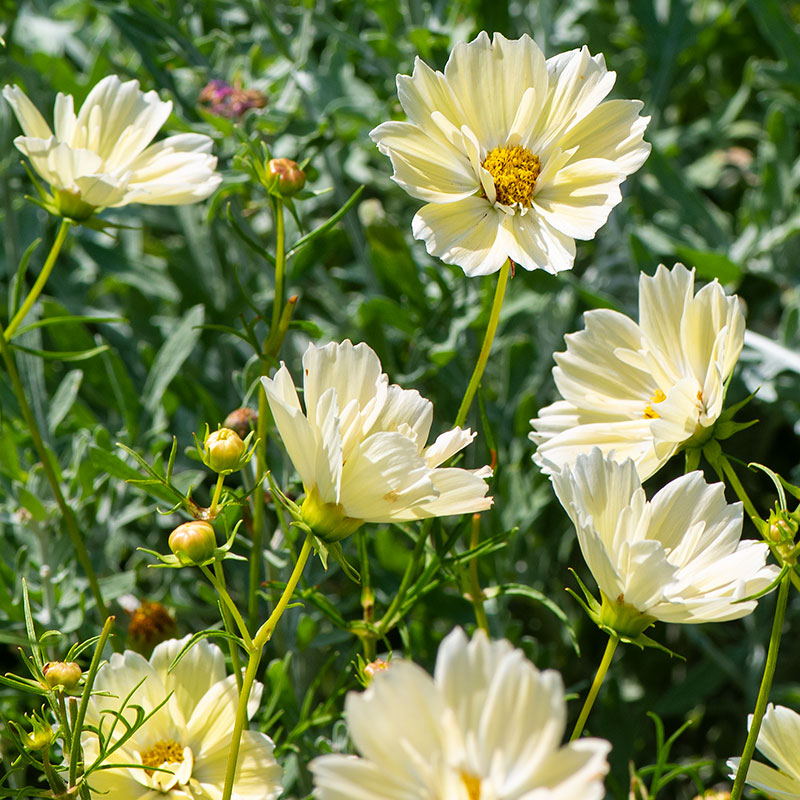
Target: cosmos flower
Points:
(516, 156)
(645, 390)
(779, 741)
(188, 738)
(676, 558)
(487, 725)
(102, 158)
(360, 448)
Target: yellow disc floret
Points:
(165, 751)
(514, 170)
(472, 784)
(649, 411)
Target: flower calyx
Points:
(328, 521)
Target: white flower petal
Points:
(28, 116)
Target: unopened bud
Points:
(242, 420)
(61, 673)
(782, 527)
(374, 667)
(41, 734)
(224, 450)
(193, 542)
(291, 179)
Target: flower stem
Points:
(41, 280)
(271, 343)
(613, 641)
(212, 511)
(475, 591)
(227, 618)
(256, 649)
(763, 692)
(483, 357)
(47, 465)
(75, 753)
(737, 487)
(227, 603)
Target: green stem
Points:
(75, 753)
(475, 591)
(763, 692)
(387, 621)
(212, 511)
(227, 619)
(613, 641)
(41, 280)
(261, 638)
(271, 343)
(227, 602)
(737, 487)
(66, 512)
(367, 599)
(280, 266)
(483, 357)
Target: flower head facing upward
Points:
(643, 390)
(102, 157)
(188, 739)
(675, 558)
(487, 725)
(360, 448)
(779, 741)
(516, 156)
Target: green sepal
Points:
(692, 456)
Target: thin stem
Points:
(75, 753)
(475, 591)
(41, 280)
(230, 605)
(227, 619)
(613, 641)
(212, 511)
(483, 357)
(241, 720)
(763, 692)
(737, 487)
(368, 641)
(261, 638)
(272, 342)
(265, 631)
(387, 621)
(66, 512)
(280, 265)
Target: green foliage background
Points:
(721, 81)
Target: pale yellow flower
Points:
(188, 739)
(102, 157)
(516, 156)
(675, 558)
(488, 725)
(361, 447)
(643, 390)
(779, 741)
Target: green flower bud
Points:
(41, 734)
(224, 450)
(193, 543)
(291, 179)
(61, 673)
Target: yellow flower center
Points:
(657, 397)
(514, 170)
(165, 751)
(472, 785)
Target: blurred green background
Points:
(721, 81)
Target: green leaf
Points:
(64, 398)
(172, 356)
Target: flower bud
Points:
(291, 179)
(782, 527)
(193, 542)
(224, 450)
(241, 420)
(61, 673)
(41, 734)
